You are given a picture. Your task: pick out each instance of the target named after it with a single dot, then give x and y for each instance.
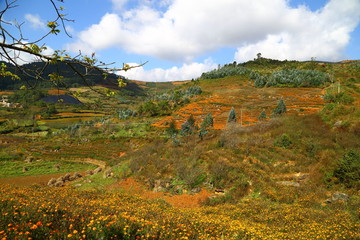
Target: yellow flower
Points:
(69, 235)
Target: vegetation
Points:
(178, 170)
(291, 78)
(27, 212)
(280, 108)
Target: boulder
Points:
(288, 183)
(58, 184)
(67, 177)
(51, 182)
(77, 175)
(29, 159)
(98, 170)
(338, 197)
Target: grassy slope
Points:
(246, 162)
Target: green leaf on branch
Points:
(121, 82)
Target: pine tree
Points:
(262, 116)
(171, 130)
(208, 121)
(188, 127)
(232, 116)
(280, 108)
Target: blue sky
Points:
(180, 39)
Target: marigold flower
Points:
(34, 227)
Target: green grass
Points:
(14, 168)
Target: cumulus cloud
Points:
(185, 72)
(118, 5)
(323, 34)
(183, 30)
(186, 29)
(35, 21)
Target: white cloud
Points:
(35, 21)
(323, 34)
(22, 57)
(118, 5)
(187, 29)
(185, 72)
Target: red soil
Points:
(131, 186)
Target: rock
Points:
(108, 173)
(98, 170)
(195, 190)
(87, 181)
(78, 185)
(29, 159)
(51, 182)
(58, 184)
(89, 172)
(66, 177)
(289, 183)
(337, 197)
(60, 179)
(158, 186)
(338, 124)
(77, 175)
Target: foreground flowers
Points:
(45, 213)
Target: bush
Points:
(348, 170)
(280, 108)
(227, 70)
(188, 127)
(342, 97)
(291, 78)
(232, 116)
(283, 141)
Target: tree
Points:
(13, 44)
(207, 122)
(171, 130)
(232, 116)
(280, 108)
(262, 116)
(188, 127)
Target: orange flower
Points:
(34, 227)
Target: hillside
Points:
(261, 150)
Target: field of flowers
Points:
(248, 101)
(45, 213)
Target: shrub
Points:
(280, 108)
(188, 127)
(232, 116)
(262, 116)
(348, 170)
(341, 97)
(171, 130)
(283, 141)
(291, 78)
